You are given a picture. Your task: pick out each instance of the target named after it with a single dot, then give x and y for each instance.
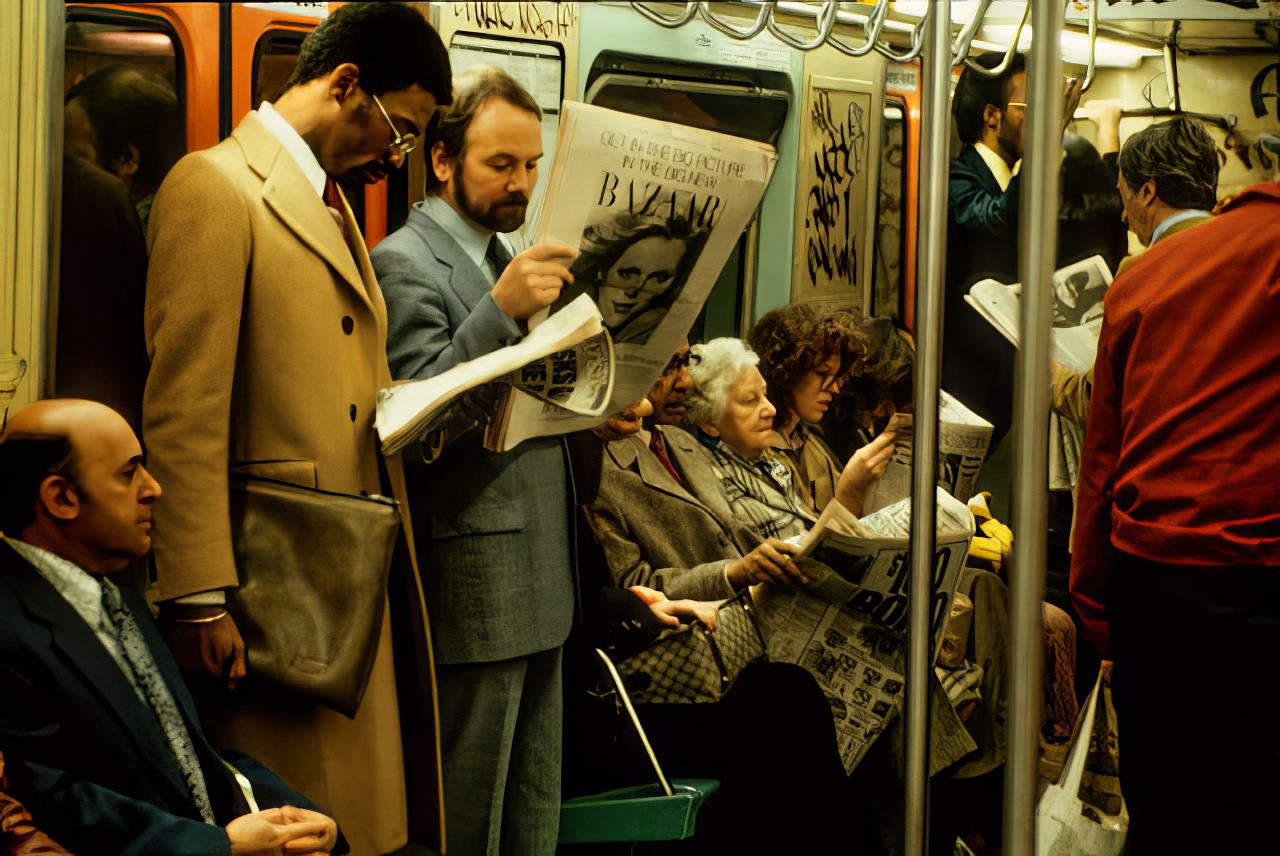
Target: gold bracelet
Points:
(208, 619)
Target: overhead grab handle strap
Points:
(1008, 55)
(917, 41)
(874, 24)
(668, 21)
(1093, 45)
(826, 23)
(763, 13)
(960, 50)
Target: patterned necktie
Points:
(147, 677)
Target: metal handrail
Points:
(826, 24)
(875, 23)
(762, 20)
(1037, 247)
(1093, 45)
(1008, 55)
(670, 23)
(917, 38)
(931, 252)
(960, 50)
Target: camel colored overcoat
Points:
(266, 332)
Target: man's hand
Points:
(212, 647)
(866, 465)
(533, 280)
(282, 830)
(671, 611)
(771, 562)
(1106, 115)
(626, 424)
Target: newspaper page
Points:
(567, 363)
(848, 627)
(655, 209)
(963, 440)
(1078, 290)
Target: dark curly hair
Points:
(794, 341)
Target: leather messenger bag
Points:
(313, 569)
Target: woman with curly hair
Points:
(634, 266)
(804, 357)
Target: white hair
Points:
(716, 367)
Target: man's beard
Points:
(504, 216)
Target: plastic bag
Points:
(1065, 824)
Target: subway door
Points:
(140, 92)
(260, 46)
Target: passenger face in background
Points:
(670, 390)
(491, 181)
(814, 392)
(1138, 209)
(1009, 132)
(747, 423)
(644, 271)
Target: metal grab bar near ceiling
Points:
(668, 21)
(826, 26)
(871, 32)
(1093, 45)
(1008, 54)
(960, 50)
(917, 43)
(763, 14)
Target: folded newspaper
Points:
(566, 363)
(847, 628)
(963, 440)
(655, 209)
(1078, 290)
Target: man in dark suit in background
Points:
(493, 529)
(101, 737)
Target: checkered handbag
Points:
(694, 664)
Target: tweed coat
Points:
(266, 332)
(493, 528)
(656, 533)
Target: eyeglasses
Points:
(677, 362)
(403, 143)
(1020, 104)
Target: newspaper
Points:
(565, 364)
(655, 210)
(847, 628)
(1078, 290)
(963, 440)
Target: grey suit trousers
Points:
(500, 729)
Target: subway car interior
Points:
(904, 551)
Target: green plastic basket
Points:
(664, 811)
(640, 813)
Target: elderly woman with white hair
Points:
(734, 422)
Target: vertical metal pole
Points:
(1038, 241)
(934, 137)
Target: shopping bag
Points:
(1066, 825)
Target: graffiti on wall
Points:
(834, 202)
(542, 20)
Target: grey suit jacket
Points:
(493, 529)
(658, 534)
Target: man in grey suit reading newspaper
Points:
(494, 528)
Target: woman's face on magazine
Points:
(642, 273)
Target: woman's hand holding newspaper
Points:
(864, 467)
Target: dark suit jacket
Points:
(90, 760)
(982, 242)
(493, 529)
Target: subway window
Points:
(274, 58)
(890, 234)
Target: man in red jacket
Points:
(1177, 543)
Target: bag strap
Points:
(635, 720)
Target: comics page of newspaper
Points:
(408, 410)
(1078, 290)
(963, 440)
(847, 627)
(655, 209)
